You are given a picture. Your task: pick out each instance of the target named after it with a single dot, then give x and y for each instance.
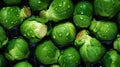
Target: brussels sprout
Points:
(58, 10)
(12, 16)
(84, 8)
(63, 33)
(107, 8)
(33, 29)
(17, 49)
(69, 58)
(2, 61)
(47, 53)
(23, 64)
(38, 5)
(82, 21)
(104, 30)
(111, 59)
(3, 37)
(90, 49)
(12, 2)
(116, 44)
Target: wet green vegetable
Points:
(83, 14)
(58, 10)
(91, 50)
(111, 59)
(47, 52)
(33, 29)
(104, 30)
(17, 49)
(69, 57)
(12, 16)
(63, 33)
(107, 8)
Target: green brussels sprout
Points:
(3, 37)
(2, 61)
(58, 10)
(69, 58)
(12, 2)
(116, 44)
(54, 66)
(17, 49)
(107, 8)
(23, 64)
(12, 16)
(90, 48)
(47, 53)
(63, 33)
(82, 21)
(83, 8)
(33, 29)
(104, 30)
(111, 59)
(38, 5)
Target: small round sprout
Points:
(3, 37)
(12, 2)
(107, 8)
(17, 49)
(12, 16)
(69, 58)
(23, 64)
(58, 10)
(33, 29)
(104, 30)
(84, 8)
(47, 53)
(63, 33)
(38, 5)
(111, 59)
(116, 44)
(2, 61)
(90, 48)
(82, 21)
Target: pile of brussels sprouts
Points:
(59, 33)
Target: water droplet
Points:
(67, 34)
(81, 18)
(81, 12)
(12, 22)
(39, 1)
(68, 6)
(54, 37)
(60, 5)
(32, 36)
(28, 34)
(60, 34)
(24, 34)
(6, 21)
